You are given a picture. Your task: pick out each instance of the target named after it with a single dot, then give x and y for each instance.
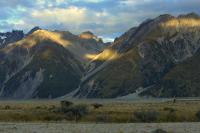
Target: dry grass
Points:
(118, 112)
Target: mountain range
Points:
(158, 58)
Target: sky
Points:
(105, 18)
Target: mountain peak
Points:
(87, 35)
(87, 32)
(33, 30)
(190, 15)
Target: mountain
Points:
(14, 36)
(158, 58)
(10, 37)
(33, 30)
(44, 64)
(182, 80)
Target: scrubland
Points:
(99, 112)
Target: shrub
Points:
(171, 117)
(7, 107)
(65, 104)
(52, 108)
(76, 112)
(171, 110)
(146, 116)
(38, 107)
(42, 107)
(159, 131)
(97, 105)
(198, 115)
(102, 118)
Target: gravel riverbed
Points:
(98, 128)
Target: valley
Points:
(99, 66)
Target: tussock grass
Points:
(115, 112)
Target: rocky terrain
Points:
(10, 37)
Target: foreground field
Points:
(109, 111)
(98, 128)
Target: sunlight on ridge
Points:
(182, 23)
(42, 35)
(107, 54)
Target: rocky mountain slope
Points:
(10, 37)
(182, 80)
(44, 64)
(160, 54)
(158, 58)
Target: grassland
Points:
(108, 112)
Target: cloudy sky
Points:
(106, 18)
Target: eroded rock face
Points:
(28, 85)
(161, 55)
(176, 40)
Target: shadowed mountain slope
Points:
(145, 56)
(44, 64)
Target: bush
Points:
(171, 117)
(52, 108)
(97, 105)
(76, 112)
(37, 107)
(65, 104)
(159, 131)
(146, 116)
(198, 115)
(7, 107)
(171, 110)
(102, 118)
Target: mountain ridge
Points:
(161, 43)
(151, 57)
(43, 65)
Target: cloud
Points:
(79, 19)
(89, 1)
(56, 15)
(107, 18)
